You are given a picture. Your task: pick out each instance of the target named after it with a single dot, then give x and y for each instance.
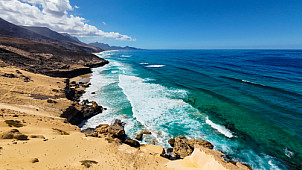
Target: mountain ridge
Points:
(108, 47)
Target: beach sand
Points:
(53, 143)
(26, 102)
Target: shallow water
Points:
(247, 103)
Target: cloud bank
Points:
(54, 15)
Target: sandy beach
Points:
(53, 143)
(53, 150)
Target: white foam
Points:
(288, 153)
(157, 107)
(126, 56)
(143, 63)
(273, 166)
(114, 71)
(219, 128)
(155, 66)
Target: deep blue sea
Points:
(247, 103)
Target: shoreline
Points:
(49, 141)
(45, 129)
(212, 152)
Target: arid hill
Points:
(42, 34)
(46, 58)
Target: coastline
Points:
(53, 142)
(203, 152)
(41, 118)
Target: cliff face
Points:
(47, 58)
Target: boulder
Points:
(140, 135)
(171, 142)
(152, 149)
(96, 107)
(132, 143)
(169, 150)
(181, 147)
(88, 131)
(200, 142)
(117, 129)
(102, 128)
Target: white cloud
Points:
(76, 7)
(52, 14)
(104, 23)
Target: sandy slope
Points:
(58, 151)
(27, 103)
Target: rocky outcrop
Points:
(114, 133)
(181, 147)
(184, 147)
(171, 142)
(76, 113)
(132, 143)
(117, 129)
(200, 142)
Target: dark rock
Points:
(55, 90)
(37, 136)
(140, 135)
(20, 137)
(26, 79)
(132, 143)
(181, 147)
(92, 92)
(169, 150)
(9, 75)
(86, 85)
(88, 131)
(18, 72)
(88, 163)
(117, 129)
(171, 142)
(51, 101)
(35, 160)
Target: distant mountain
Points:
(63, 37)
(43, 34)
(72, 37)
(52, 34)
(108, 47)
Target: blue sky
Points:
(167, 24)
(198, 23)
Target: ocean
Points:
(247, 103)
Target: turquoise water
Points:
(247, 103)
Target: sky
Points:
(168, 24)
